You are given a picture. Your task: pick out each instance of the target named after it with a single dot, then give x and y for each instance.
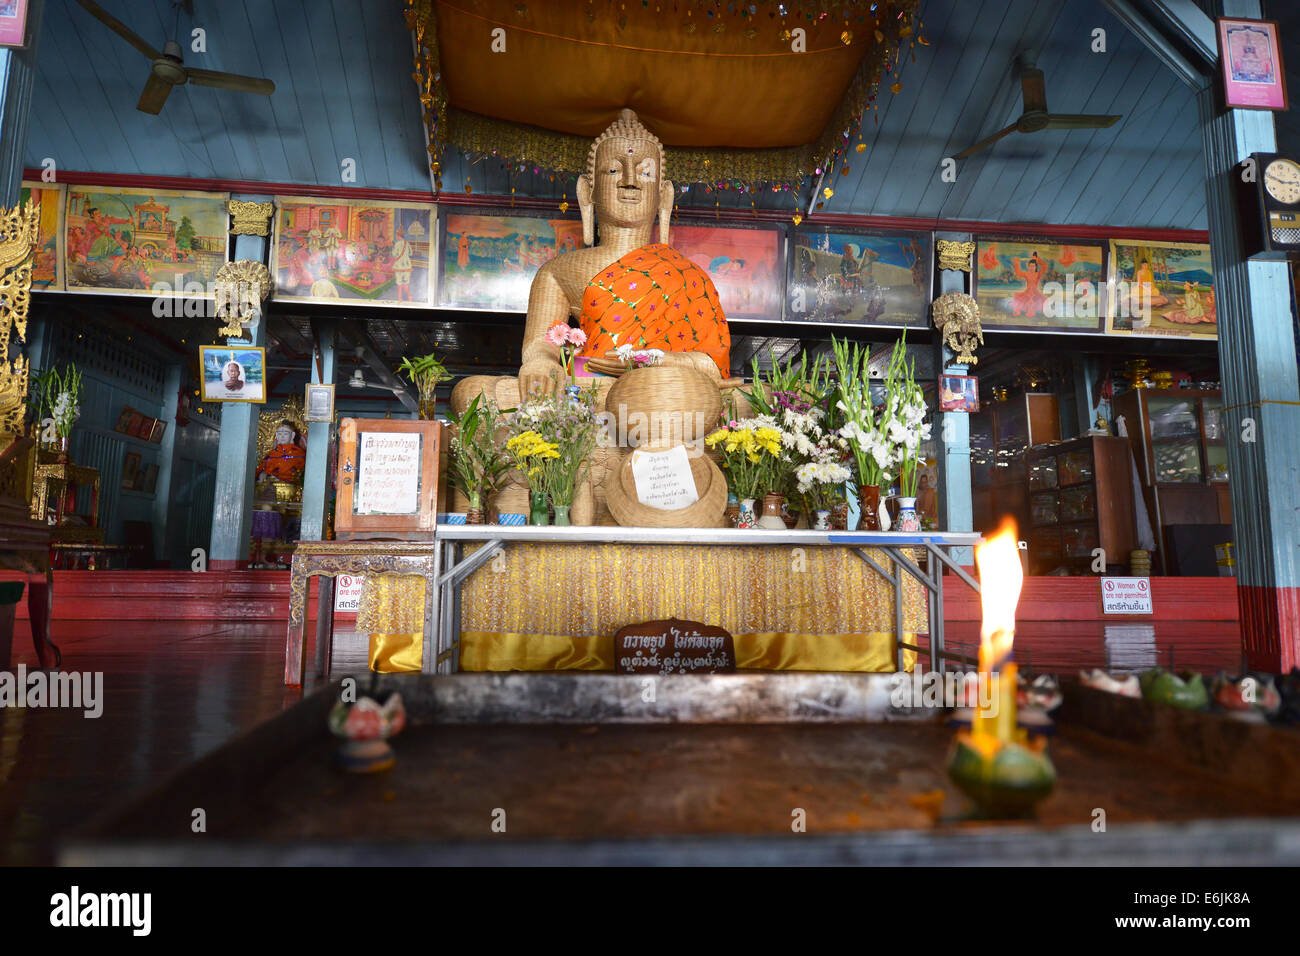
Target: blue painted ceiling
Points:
(342, 69)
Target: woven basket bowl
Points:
(710, 485)
(673, 405)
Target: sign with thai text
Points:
(674, 647)
(388, 474)
(1126, 596)
(664, 479)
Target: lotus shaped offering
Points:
(365, 728)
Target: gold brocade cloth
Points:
(539, 607)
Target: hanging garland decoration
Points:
(891, 24)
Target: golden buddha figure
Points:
(625, 290)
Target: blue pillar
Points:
(17, 75)
(166, 453)
(1261, 392)
(232, 506)
(952, 431)
(315, 479)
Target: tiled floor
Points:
(173, 691)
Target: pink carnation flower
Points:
(558, 334)
(577, 338)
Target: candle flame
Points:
(1001, 576)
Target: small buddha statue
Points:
(625, 290)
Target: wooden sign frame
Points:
(418, 526)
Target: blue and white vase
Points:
(907, 519)
(748, 516)
(821, 521)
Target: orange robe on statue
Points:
(655, 298)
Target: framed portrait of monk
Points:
(860, 278)
(1030, 285)
(744, 262)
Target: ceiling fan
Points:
(168, 66)
(1035, 117)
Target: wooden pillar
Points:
(315, 478)
(952, 429)
(1257, 358)
(17, 76)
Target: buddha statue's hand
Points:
(539, 377)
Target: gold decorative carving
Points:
(955, 255)
(241, 288)
(957, 316)
(19, 228)
(250, 218)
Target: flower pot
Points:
(540, 513)
(476, 516)
(869, 508)
(907, 519)
(733, 511)
(840, 516)
(771, 517)
(821, 521)
(561, 516)
(748, 518)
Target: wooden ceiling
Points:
(343, 74)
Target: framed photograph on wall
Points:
(744, 262)
(1161, 288)
(13, 23)
(124, 420)
(130, 468)
(232, 373)
(341, 250)
(860, 278)
(1030, 285)
(487, 260)
(1250, 57)
(319, 403)
(959, 393)
(159, 429)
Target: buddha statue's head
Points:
(624, 184)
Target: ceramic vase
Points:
(840, 516)
(561, 516)
(869, 508)
(540, 514)
(907, 519)
(747, 518)
(771, 517)
(733, 511)
(821, 521)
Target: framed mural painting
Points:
(488, 259)
(1030, 285)
(232, 373)
(1161, 288)
(860, 278)
(143, 241)
(47, 266)
(743, 262)
(343, 250)
(1250, 55)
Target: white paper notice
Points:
(347, 592)
(664, 479)
(1126, 596)
(388, 474)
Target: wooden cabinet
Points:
(1080, 499)
(1000, 436)
(1178, 440)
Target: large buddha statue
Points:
(625, 289)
